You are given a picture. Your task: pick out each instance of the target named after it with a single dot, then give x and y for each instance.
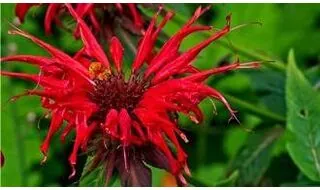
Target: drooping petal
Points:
(56, 121)
(81, 132)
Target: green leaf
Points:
(254, 157)
(94, 178)
(230, 181)
(303, 121)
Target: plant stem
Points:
(268, 61)
(262, 112)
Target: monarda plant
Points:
(126, 121)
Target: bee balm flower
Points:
(126, 121)
(102, 18)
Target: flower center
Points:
(113, 91)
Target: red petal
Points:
(56, 121)
(60, 56)
(169, 50)
(175, 66)
(146, 45)
(92, 46)
(168, 17)
(38, 60)
(111, 123)
(94, 21)
(125, 125)
(51, 13)
(199, 77)
(82, 9)
(136, 16)
(42, 80)
(116, 51)
(81, 132)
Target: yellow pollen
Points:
(98, 71)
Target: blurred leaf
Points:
(302, 181)
(270, 88)
(303, 121)
(230, 181)
(254, 157)
(210, 174)
(19, 138)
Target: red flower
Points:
(102, 18)
(126, 120)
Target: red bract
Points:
(126, 121)
(102, 18)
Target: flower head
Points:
(126, 121)
(102, 18)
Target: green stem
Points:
(259, 111)
(267, 61)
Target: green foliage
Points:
(92, 177)
(254, 157)
(303, 121)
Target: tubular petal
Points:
(50, 16)
(91, 44)
(56, 121)
(116, 50)
(61, 57)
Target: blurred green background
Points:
(280, 102)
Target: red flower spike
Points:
(124, 16)
(125, 122)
